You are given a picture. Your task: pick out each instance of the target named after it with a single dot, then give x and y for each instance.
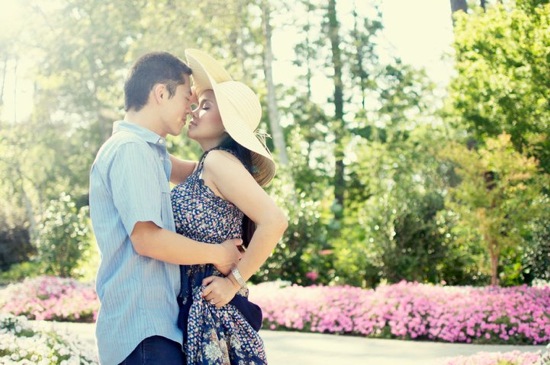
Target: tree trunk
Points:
(29, 211)
(494, 255)
(273, 112)
(339, 127)
(4, 70)
(15, 94)
(457, 5)
(359, 59)
(310, 56)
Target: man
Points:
(138, 278)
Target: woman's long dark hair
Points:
(243, 154)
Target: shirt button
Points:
(161, 141)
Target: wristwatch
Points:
(237, 275)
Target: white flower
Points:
(212, 351)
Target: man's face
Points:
(177, 108)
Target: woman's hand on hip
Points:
(218, 290)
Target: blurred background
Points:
(411, 136)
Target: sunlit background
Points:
(411, 139)
(419, 32)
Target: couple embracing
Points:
(174, 262)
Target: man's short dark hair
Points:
(151, 69)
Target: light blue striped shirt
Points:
(129, 183)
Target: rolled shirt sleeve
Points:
(131, 182)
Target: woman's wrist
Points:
(236, 278)
(233, 282)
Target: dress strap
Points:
(200, 165)
(201, 161)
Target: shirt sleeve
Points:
(136, 185)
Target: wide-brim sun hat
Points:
(239, 107)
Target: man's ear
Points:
(158, 93)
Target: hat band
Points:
(262, 135)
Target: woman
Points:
(223, 198)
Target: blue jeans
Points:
(156, 350)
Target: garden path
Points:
(295, 348)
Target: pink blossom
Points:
(51, 298)
(405, 310)
(312, 275)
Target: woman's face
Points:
(206, 126)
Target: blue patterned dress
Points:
(224, 336)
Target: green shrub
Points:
(63, 237)
(18, 272)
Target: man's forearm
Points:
(161, 244)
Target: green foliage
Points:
(302, 248)
(466, 263)
(392, 230)
(15, 243)
(503, 76)
(19, 272)
(495, 194)
(64, 235)
(39, 161)
(398, 238)
(395, 224)
(535, 255)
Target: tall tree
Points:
(307, 51)
(364, 59)
(310, 134)
(274, 119)
(338, 126)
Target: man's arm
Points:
(152, 241)
(181, 169)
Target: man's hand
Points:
(229, 255)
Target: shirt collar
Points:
(144, 133)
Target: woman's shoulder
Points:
(221, 162)
(221, 156)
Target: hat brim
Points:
(235, 100)
(205, 70)
(229, 95)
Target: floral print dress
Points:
(227, 335)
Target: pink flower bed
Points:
(518, 315)
(51, 298)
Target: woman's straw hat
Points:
(239, 107)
